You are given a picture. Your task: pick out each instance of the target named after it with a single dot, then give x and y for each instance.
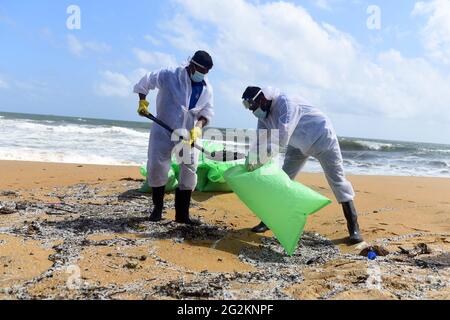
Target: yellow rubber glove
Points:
(143, 107)
(195, 133)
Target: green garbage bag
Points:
(171, 185)
(210, 173)
(282, 204)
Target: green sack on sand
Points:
(210, 173)
(171, 185)
(282, 204)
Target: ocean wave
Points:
(98, 130)
(49, 127)
(429, 151)
(438, 164)
(28, 154)
(360, 145)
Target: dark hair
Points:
(250, 92)
(203, 58)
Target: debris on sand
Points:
(419, 249)
(436, 262)
(219, 286)
(313, 249)
(379, 250)
(131, 265)
(82, 214)
(8, 208)
(8, 193)
(132, 180)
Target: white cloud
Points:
(436, 33)
(77, 47)
(154, 58)
(99, 47)
(279, 43)
(152, 40)
(27, 87)
(183, 35)
(7, 20)
(114, 84)
(3, 84)
(329, 5)
(323, 4)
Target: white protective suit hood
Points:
(271, 93)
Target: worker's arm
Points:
(149, 82)
(152, 81)
(207, 113)
(286, 125)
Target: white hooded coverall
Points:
(172, 107)
(307, 132)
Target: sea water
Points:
(93, 141)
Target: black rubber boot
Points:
(182, 204)
(352, 222)
(158, 203)
(260, 228)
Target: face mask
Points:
(197, 77)
(260, 113)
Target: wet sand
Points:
(80, 232)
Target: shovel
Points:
(221, 156)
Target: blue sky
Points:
(391, 83)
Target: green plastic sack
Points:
(171, 185)
(282, 204)
(210, 173)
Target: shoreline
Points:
(88, 217)
(136, 166)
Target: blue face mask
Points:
(260, 113)
(197, 77)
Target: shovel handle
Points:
(169, 129)
(212, 155)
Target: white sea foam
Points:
(28, 154)
(376, 146)
(71, 129)
(68, 143)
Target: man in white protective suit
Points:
(305, 132)
(184, 102)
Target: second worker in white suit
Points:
(184, 101)
(306, 132)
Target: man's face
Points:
(253, 105)
(193, 67)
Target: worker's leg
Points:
(158, 166)
(159, 159)
(187, 184)
(332, 164)
(294, 161)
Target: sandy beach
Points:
(80, 232)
